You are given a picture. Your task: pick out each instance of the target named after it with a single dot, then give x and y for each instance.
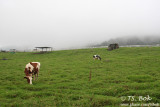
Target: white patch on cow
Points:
(96, 57)
(30, 78)
(29, 66)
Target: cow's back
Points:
(35, 64)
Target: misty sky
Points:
(71, 23)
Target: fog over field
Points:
(63, 24)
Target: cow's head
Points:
(29, 79)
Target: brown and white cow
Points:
(31, 69)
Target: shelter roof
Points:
(43, 47)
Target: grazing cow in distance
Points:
(96, 57)
(31, 69)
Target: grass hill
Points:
(64, 78)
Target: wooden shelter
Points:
(44, 49)
(113, 46)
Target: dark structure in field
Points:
(4, 59)
(3, 51)
(113, 46)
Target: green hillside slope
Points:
(72, 78)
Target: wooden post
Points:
(140, 63)
(90, 75)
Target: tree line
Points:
(123, 41)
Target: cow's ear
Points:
(25, 77)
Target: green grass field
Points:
(64, 78)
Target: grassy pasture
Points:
(64, 78)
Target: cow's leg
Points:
(36, 71)
(34, 76)
(37, 75)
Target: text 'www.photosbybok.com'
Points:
(138, 101)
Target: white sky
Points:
(71, 23)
